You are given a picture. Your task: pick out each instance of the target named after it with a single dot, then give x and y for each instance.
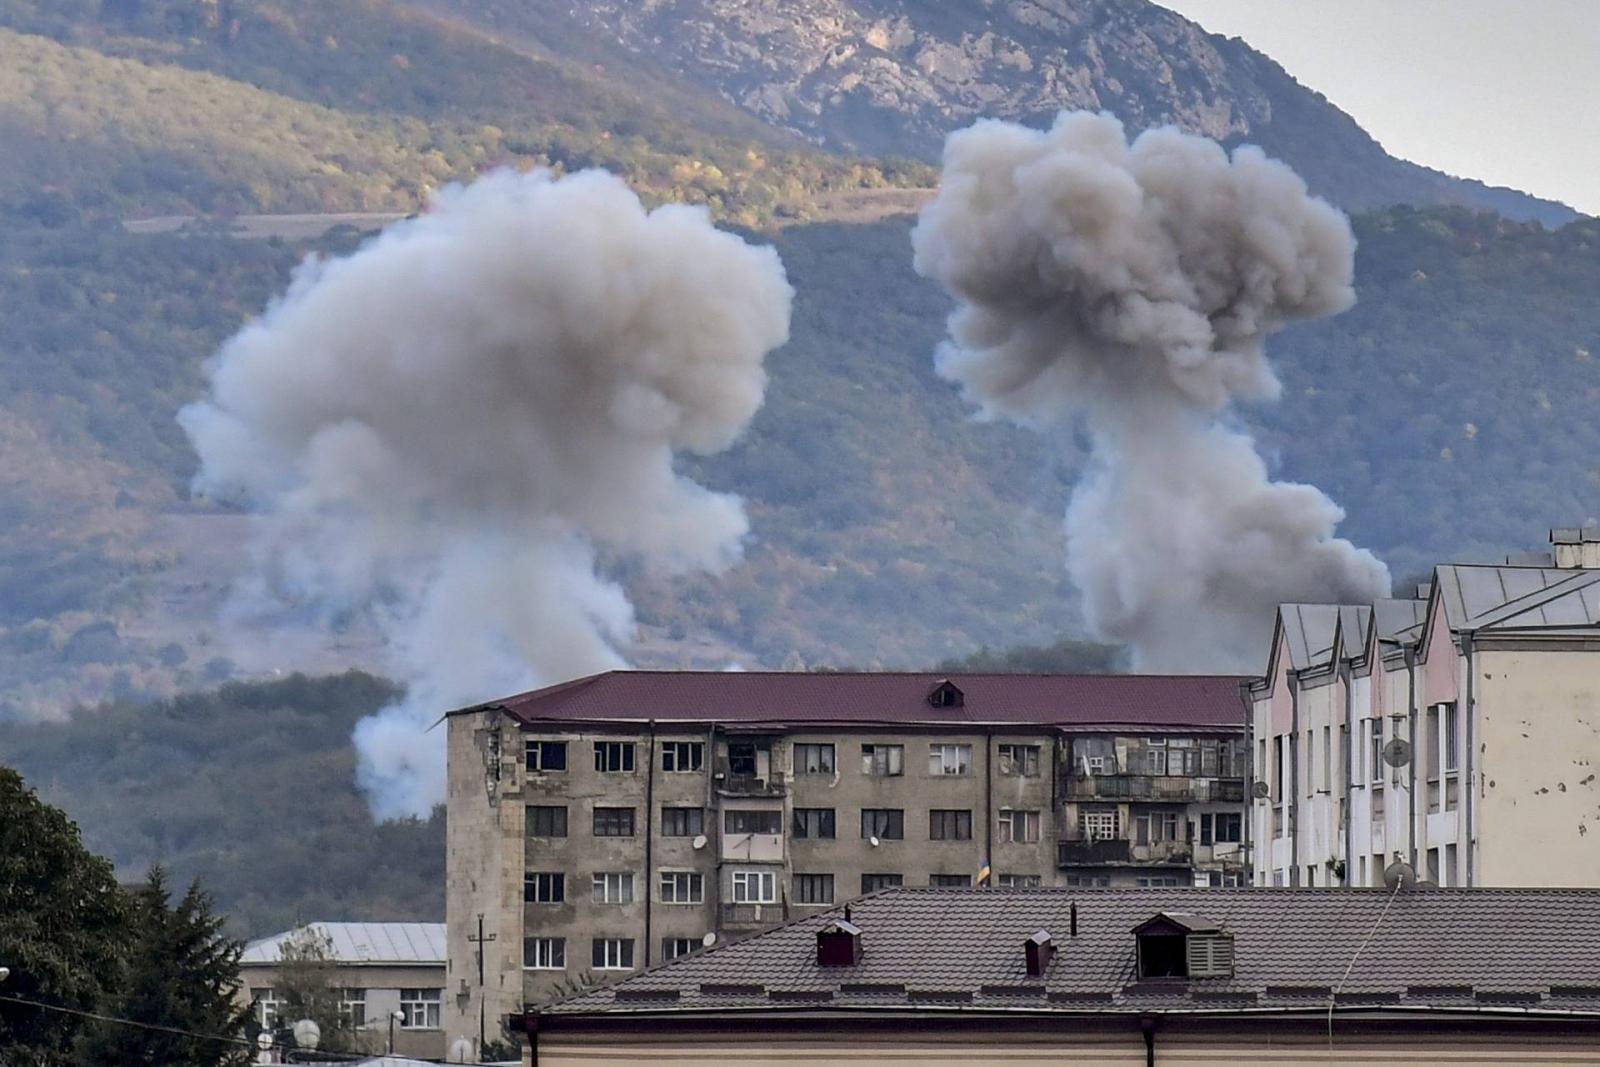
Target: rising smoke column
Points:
(444, 428)
(1129, 289)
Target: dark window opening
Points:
(1163, 956)
(742, 759)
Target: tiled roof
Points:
(1205, 702)
(361, 943)
(955, 949)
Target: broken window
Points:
(883, 761)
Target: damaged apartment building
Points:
(609, 823)
(1458, 731)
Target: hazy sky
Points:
(1501, 90)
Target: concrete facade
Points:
(1492, 683)
(738, 826)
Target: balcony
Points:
(1120, 852)
(1158, 788)
(748, 785)
(752, 916)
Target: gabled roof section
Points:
(789, 699)
(1467, 950)
(368, 943)
(1181, 922)
(1399, 621)
(1546, 601)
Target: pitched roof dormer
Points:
(946, 695)
(839, 944)
(1174, 944)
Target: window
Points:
(353, 1008)
(742, 759)
(813, 889)
(267, 1006)
(1277, 768)
(1088, 881)
(683, 887)
(547, 820)
(613, 887)
(613, 757)
(949, 759)
(544, 953)
(1210, 955)
(1375, 755)
(949, 825)
(681, 757)
(682, 822)
(1452, 723)
(544, 756)
(813, 759)
(813, 822)
(1160, 882)
(951, 881)
(883, 761)
(613, 822)
(613, 954)
(871, 883)
(1017, 881)
(1221, 828)
(883, 823)
(752, 821)
(544, 887)
(1327, 758)
(1155, 761)
(419, 1008)
(1095, 765)
(755, 887)
(1155, 826)
(1101, 824)
(1019, 826)
(1021, 761)
(673, 947)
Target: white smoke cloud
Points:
(1129, 289)
(444, 428)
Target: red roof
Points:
(1071, 701)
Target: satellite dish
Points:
(1400, 875)
(461, 1050)
(1260, 790)
(699, 841)
(1397, 753)
(710, 938)
(873, 841)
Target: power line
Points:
(221, 1038)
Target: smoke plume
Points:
(444, 428)
(1129, 289)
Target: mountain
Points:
(892, 77)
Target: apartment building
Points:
(1459, 731)
(613, 822)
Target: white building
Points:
(1460, 731)
(381, 969)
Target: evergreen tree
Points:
(180, 982)
(63, 922)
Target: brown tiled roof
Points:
(1471, 950)
(1197, 702)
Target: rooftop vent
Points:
(1576, 547)
(839, 944)
(1039, 951)
(946, 695)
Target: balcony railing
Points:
(749, 785)
(1120, 852)
(750, 916)
(1174, 789)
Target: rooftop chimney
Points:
(839, 944)
(1039, 950)
(1576, 547)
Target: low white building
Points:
(381, 969)
(1459, 731)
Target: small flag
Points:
(984, 873)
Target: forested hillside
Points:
(251, 789)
